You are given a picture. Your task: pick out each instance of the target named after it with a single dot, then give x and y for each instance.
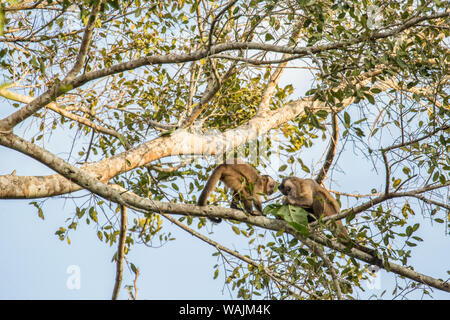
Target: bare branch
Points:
(426, 200)
(331, 150)
(215, 20)
(388, 172)
(85, 43)
(8, 123)
(120, 251)
(408, 143)
(275, 76)
(56, 90)
(178, 143)
(53, 106)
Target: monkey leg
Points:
(244, 198)
(235, 201)
(258, 205)
(248, 205)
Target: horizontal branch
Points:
(372, 202)
(8, 94)
(180, 142)
(130, 200)
(273, 275)
(9, 122)
(408, 143)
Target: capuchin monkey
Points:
(245, 182)
(309, 195)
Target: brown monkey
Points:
(245, 182)
(309, 195)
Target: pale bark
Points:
(132, 201)
(120, 255)
(11, 95)
(8, 123)
(181, 142)
(61, 87)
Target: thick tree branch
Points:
(53, 106)
(331, 150)
(8, 123)
(179, 143)
(120, 252)
(58, 88)
(124, 198)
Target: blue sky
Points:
(35, 261)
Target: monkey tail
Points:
(209, 187)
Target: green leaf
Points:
(295, 216)
(93, 214)
(346, 119)
(315, 123)
(269, 37)
(133, 268)
(65, 88)
(370, 98)
(272, 209)
(410, 244)
(2, 20)
(80, 212)
(73, 225)
(40, 212)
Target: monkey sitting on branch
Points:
(309, 195)
(246, 184)
(317, 201)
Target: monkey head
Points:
(298, 192)
(268, 183)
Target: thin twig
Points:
(218, 246)
(331, 151)
(120, 252)
(388, 171)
